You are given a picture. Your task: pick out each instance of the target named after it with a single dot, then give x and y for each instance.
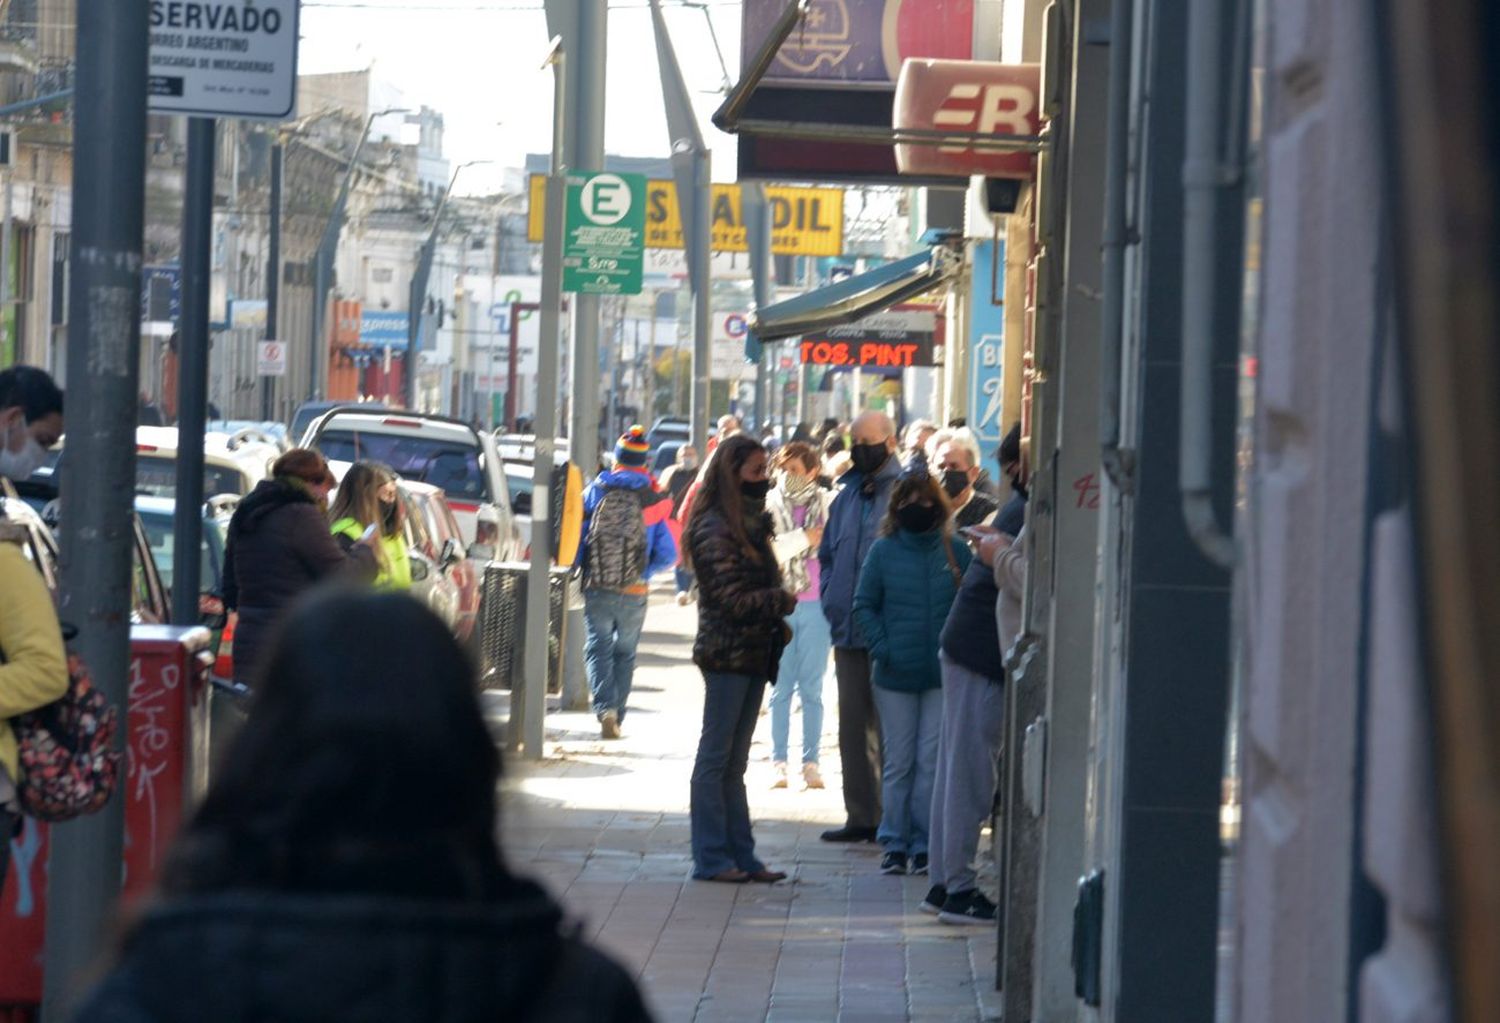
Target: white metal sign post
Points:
(224, 58)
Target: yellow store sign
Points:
(804, 221)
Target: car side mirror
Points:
(452, 552)
(420, 569)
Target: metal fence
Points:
(502, 624)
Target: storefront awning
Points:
(855, 297)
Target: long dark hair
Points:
(364, 766)
(720, 491)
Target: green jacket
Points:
(905, 589)
(395, 574)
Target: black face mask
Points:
(955, 482)
(868, 458)
(754, 491)
(388, 514)
(918, 518)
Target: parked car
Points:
(668, 428)
(268, 431)
(567, 520)
(148, 604)
(442, 574)
(157, 519)
(232, 463)
(444, 452)
(665, 456)
(310, 410)
(520, 448)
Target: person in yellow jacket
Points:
(367, 502)
(33, 667)
(33, 671)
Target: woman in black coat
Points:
(278, 547)
(741, 633)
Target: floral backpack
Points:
(68, 764)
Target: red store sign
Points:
(967, 96)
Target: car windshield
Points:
(452, 465)
(156, 476)
(159, 534)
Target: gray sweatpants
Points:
(964, 791)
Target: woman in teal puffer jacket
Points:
(906, 587)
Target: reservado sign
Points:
(804, 221)
(224, 59)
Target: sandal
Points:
(733, 875)
(767, 876)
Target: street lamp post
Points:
(418, 292)
(323, 260)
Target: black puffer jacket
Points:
(243, 957)
(741, 602)
(278, 547)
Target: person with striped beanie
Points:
(626, 540)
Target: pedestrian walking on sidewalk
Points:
(906, 589)
(741, 634)
(33, 665)
(345, 866)
(799, 510)
(853, 525)
(278, 547)
(626, 542)
(367, 501)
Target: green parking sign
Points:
(606, 231)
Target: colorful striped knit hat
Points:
(632, 451)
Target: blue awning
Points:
(855, 297)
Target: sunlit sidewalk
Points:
(605, 827)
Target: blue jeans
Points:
(720, 813)
(910, 726)
(684, 579)
(613, 622)
(804, 665)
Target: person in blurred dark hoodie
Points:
(278, 547)
(344, 865)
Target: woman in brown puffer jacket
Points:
(741, 633)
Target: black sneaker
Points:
(849, 833)
(971, 907)
(933, 903)
(894, 863)
(919, 863)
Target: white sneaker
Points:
(780, 782)
(684, 598)
(811, 777)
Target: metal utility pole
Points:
(417, 294)
(583, 27)
(192, 367)
(273, 278)
(104, 343)
(323, 260)
(757, 214)
(533, 707)
(691, 169)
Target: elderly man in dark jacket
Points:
(278, 547)
(853, 526)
